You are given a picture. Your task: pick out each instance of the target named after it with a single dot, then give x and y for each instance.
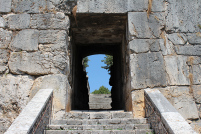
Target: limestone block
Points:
(158, 6)
(147, 70)
(191, 50)
(4, 55)
(52, 36)
(5, 6)
(194, 38)
(32, 6)
(183, 16)
(14, 95)
(18, 21)
(197, 93)
(144, 45)
(50, 21)
(2, 22)
(140, 26)
(139, 46)
(155, 45)
(111, 6)
(37, 63)
(196, 74)
(177, 70)
(182, 100)
(177, 38)
(60, 86)
(167, 47)
(26, 40)
(5, 38)
(138, 103)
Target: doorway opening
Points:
(100, 34)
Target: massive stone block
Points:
(14, 95)
(196, 74)
(111, 6)
(32, 6)
(5, 38)
(177, 38)
(182, 100)
(197, 93)
(4, 55)
(50, 21)
(61, 90)
(167, 47)
(144, 45)
(18, 21)
(194, 38)
(177, 70)
(190, 50)
(37, 63)
(26, 40)
(147, 70)
(183, 16)
(138, 103)
(5, 6)
(140, 26)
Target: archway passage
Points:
(99, 34)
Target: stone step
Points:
(98, 115)
(137, 131)
(99, 127)
(99, 121)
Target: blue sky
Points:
(97, 75)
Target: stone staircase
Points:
(99, 122)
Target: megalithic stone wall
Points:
(165, 50)
(33, 55)
(165, 54)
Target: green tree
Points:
(108, 60)
(102, 90)
(85, 62)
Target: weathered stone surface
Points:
(4, 55)
(37, 63)
(147, 70)
(140, 26)
(182, 100)
(177, 38)
(177, 70)
(196, 74)
(59, 83)
(197, 93)
(194, 38)
(183, 16)
(32, 6)
(139, 45)
(167, 47)
(2, 22)
(26, 40)
(100, 101)
(189, 50)
(52, 40)
(5, 38)
(158, 6)
(144, 45)
(50, 21)
(138, 103)
(112, 6)
(18, 21)
(14, 95)
(5, 6)
(52, 36)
